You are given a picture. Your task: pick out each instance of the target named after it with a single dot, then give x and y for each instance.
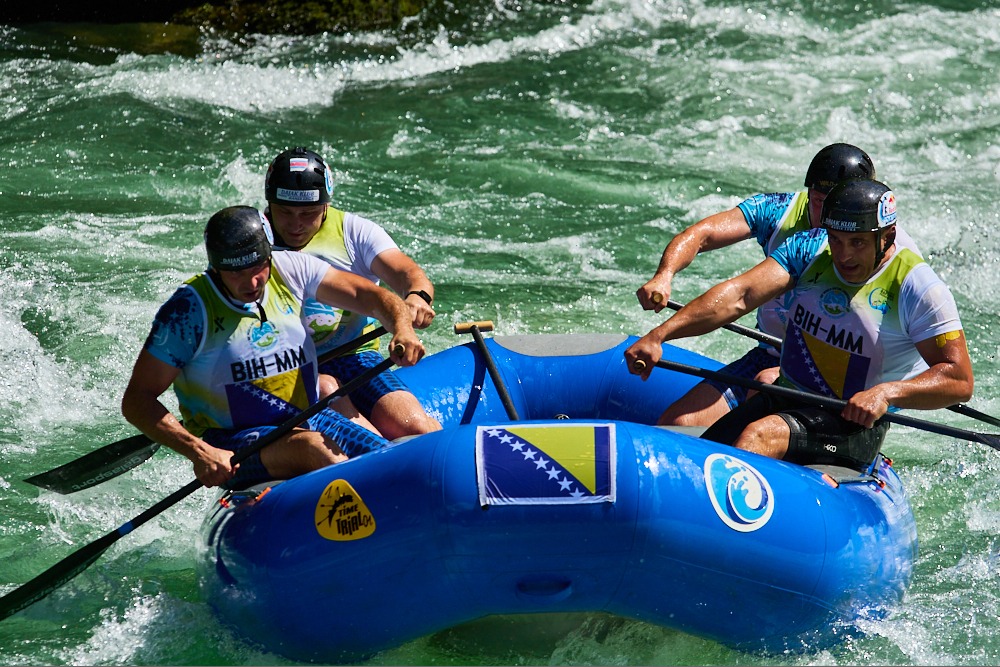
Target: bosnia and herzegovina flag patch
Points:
(545, 465)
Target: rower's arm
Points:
(352, 292)
(727, 302)
(721, 305)
(142, 408)
(946, 382)
(716, 231)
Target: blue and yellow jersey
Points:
(773, 218)
(237, 368)
(843, 337)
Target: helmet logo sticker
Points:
(740, 495)
(268, 232)
(298, 164)
(298, 195)
(887, 209)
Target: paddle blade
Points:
(97, 466)
(54, 577)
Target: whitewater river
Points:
(535, 158)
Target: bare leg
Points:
(344, 405)
(766, 376)
(299, 452)
(768, 436)
(399, 414)
(701, 406)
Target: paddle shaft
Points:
(121, 456)
(491, 368)
(833, 404)
(775, 342)
(72, 565)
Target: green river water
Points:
(535, 158)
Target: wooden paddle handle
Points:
(399, 349)
(639, 365)
(657, 297)
(466, 327)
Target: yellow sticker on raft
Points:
(341, 514)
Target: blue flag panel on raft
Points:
(545, 465)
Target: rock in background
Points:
(239, 16)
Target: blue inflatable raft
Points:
(580, 505)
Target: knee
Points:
(424, 423)
(327, 385)
(768, 436)
(670, 418)
(320, 451)
(768, 375)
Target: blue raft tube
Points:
(580, 505)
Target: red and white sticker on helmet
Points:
(887, 209)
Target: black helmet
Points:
(859, 206)
(237, 238)
(838, 162)
(298, 177)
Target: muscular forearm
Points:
(938, 387)
(412, 281)
(678, 255)
(151, 417)
(391, 311)
(718, 306)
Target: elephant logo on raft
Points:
(740, 495)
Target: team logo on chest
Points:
(263, 337)
(878, 299)
(835, 302)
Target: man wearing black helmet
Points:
(298, 189)
(868, 321)
(769, 219)
(232, 343)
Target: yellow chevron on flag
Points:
(831, 362)
(572, 446)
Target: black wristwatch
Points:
(423, 295)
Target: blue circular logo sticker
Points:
(264, 336)
(835, 302)
(740, 495)
(879, 300)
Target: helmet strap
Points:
(213, 275)
(889, 236)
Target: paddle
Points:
(72, 565)
(775, 342)
(476, 329)
(97, 466)
(836, 404)
(121, 456)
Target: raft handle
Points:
(554, 588)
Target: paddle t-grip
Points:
(466, 327)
